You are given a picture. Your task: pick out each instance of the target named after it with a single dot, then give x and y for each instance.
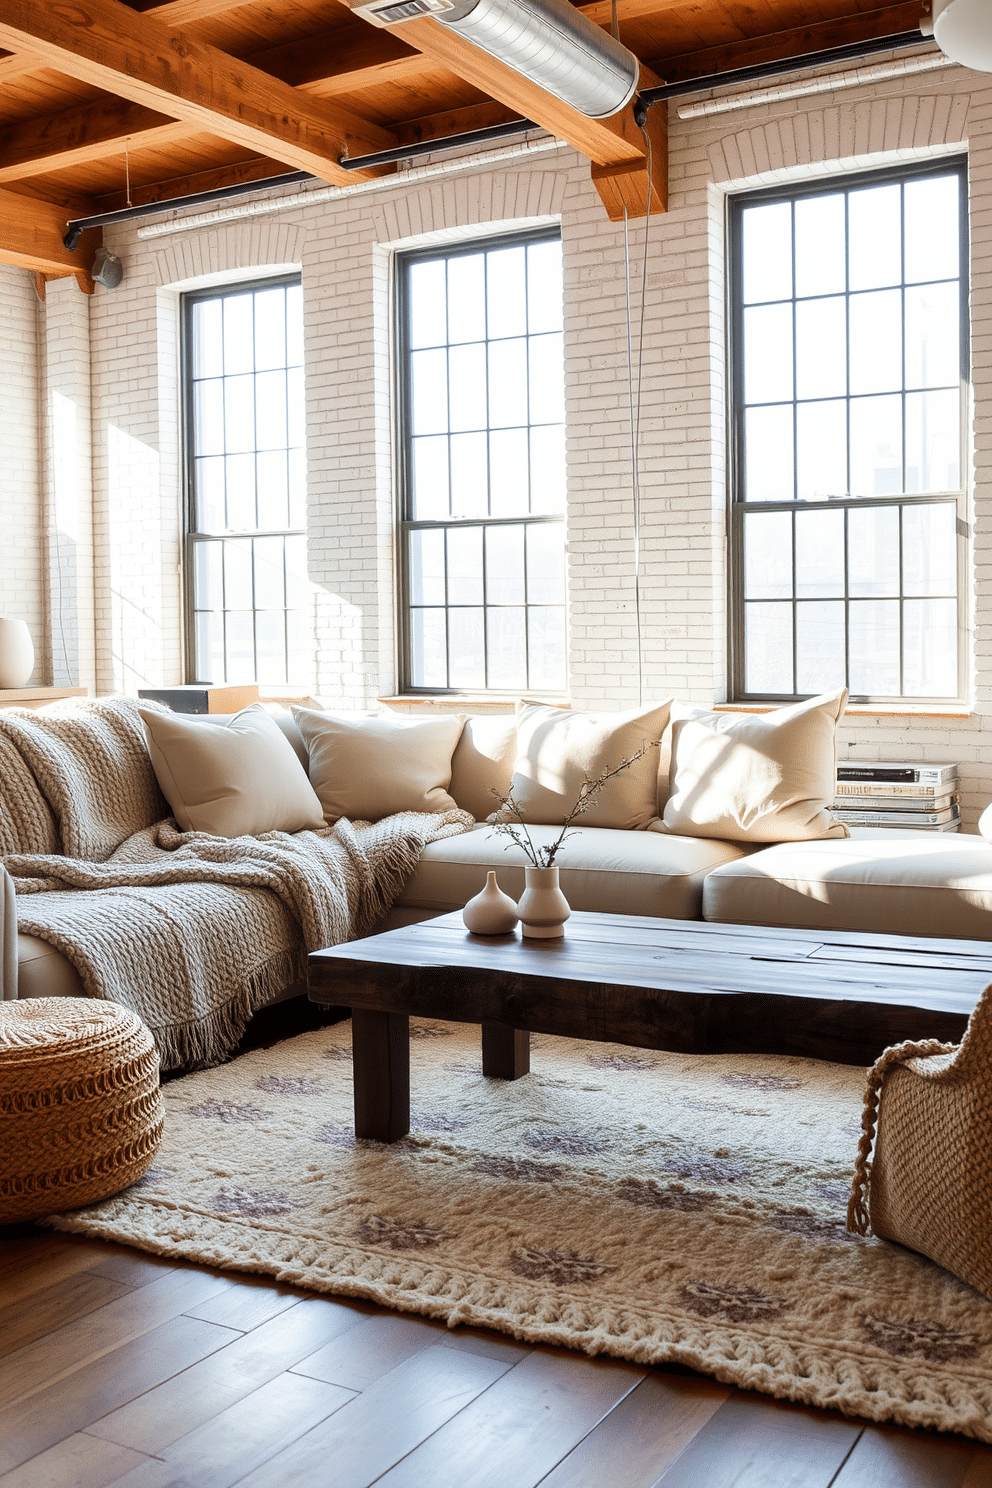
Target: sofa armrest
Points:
(8, 937)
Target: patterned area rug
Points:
(651, 1206)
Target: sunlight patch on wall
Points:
(136, 563)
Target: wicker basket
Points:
(80, 1109)
(929, 1185)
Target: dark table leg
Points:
(380, 1044)
(505, 1051)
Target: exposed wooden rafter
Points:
(616, 142)
(31, 237)
(800, 41)
(106, 44)
(96, 131)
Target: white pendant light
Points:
(548, 41)
(963, 31)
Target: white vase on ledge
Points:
(543, 909)
(491, 912)
(16, 653)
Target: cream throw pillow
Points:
(367, 766)
(558, 749)
(233, 779)
(766, 777)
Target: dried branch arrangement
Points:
(509, 822)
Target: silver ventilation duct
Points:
(547, 41)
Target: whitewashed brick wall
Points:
(342, 247)
(22, 583)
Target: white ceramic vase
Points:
(16, 653)
(543, 909)
(491, 912)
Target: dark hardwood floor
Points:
(121, 1367)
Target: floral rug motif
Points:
(657, 1207)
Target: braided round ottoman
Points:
(80, 1109)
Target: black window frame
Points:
(192, 536)
(737, 504)
(405, 521)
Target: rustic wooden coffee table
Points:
(680, 985)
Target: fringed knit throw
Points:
(192, 932)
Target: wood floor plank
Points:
(69, 1348)
(51, 1259)
(61, 1303)
(72, 1403)
(156, 1419)
(246, 1305)
(242, 1438)
(979, 1474)
(78, 1462)
(519, 1429)
(135, 1267)
(379, 1427)
(481, 1341)
(364, 1354)
(646, 1432)
(887, 1457)
(752, 1442)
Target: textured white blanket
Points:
(192, 932)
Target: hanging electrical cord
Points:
(634, 401)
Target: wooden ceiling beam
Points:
(259, 168)
(104, 43)
(331, 62)
(90, 132)
(31, 237)
(604, 141)
(797, 42)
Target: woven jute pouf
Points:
(929, 1184)
(80, 1109)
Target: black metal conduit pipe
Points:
(850, 53)
(78, 225)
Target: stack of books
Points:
(893, 794)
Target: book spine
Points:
(855, 789)
(898, 774)
(897, 818)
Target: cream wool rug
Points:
(651, 1206)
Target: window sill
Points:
(861, 710)
(450, 702)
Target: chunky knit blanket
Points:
(192, 932)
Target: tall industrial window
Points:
(849, 377)
(482, 426)
(246, 483)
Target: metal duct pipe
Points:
(547, 41)
(554, 45)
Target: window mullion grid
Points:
(795, 609)
(795, 449)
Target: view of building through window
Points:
(246, 482)
(848, 353)
(483, 467)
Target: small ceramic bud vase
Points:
(16, 653)
(492, 912)
(543, 909)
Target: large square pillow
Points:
(765, 777)
(369, 765)
(558, 749)
(232, 779)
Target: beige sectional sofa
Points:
(899, 882)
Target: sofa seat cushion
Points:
(43, 971)
(892, 882)
(602, 868)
